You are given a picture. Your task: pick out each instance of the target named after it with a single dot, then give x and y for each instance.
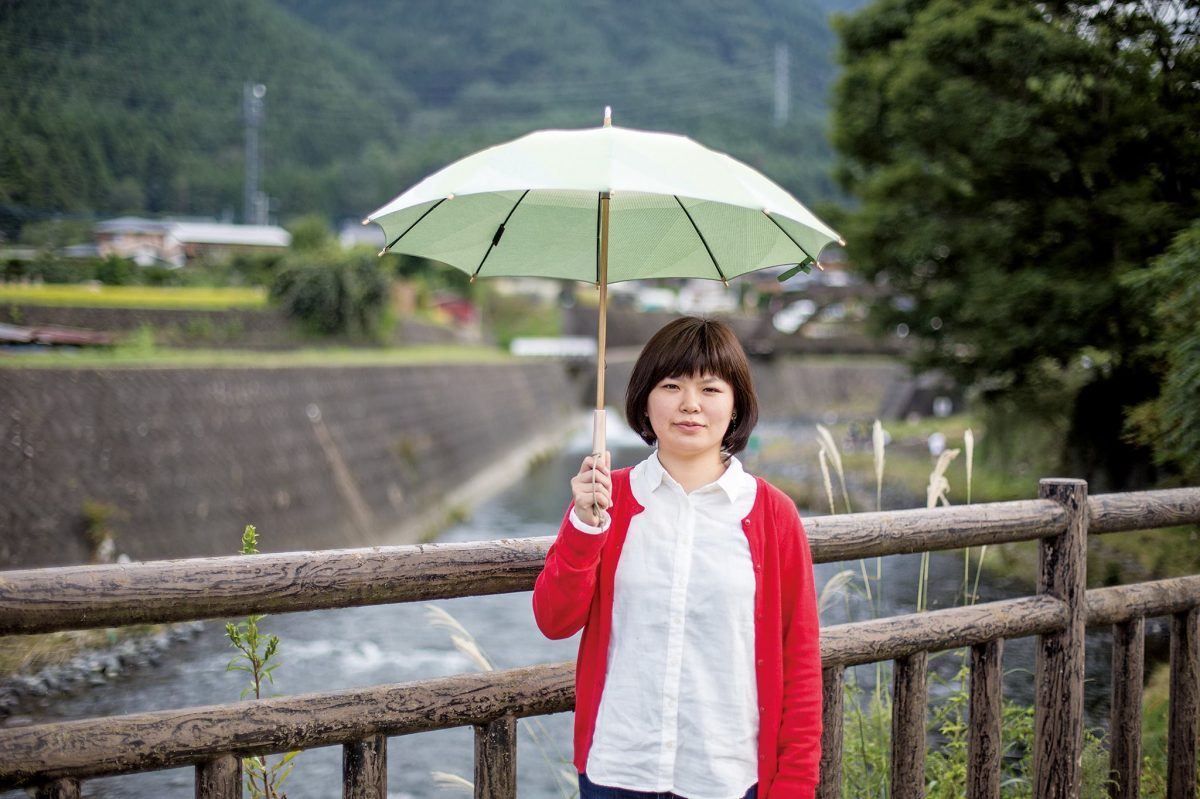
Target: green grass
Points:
(162, 358)
(161, 297)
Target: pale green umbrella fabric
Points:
(678, 209)
(602, 205)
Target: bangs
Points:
(698, 351)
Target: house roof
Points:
(219, 233)
(201, 232)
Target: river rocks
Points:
(90, 668)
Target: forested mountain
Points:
(136, 106)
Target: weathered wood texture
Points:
(364, 768)
(833, 682)
(163, 739)
(1184, 705)
(909, 699)
(78, 597)
(1125, 716)
(45, 600)
(59, 789)
(42, 600)
(983, 736)
(900, 636)
(496, 759)
(1123, 603)
(219, 778)
(1143, 510)
(1059, 661)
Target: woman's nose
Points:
(689, 401)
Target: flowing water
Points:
(358, 647)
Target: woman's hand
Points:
(591, 489)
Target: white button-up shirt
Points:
(679, 711)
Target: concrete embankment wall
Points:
(182, 459)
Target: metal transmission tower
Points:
(253, 106)
(783, 85)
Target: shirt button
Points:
(760, 661)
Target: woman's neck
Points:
(695, 471)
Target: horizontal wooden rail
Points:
(901, 636)
(168, 738)
(80, 597)
(1124, 603)
(165, 739)
(1143, 510)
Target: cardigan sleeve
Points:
(563, 591)
(800, 726)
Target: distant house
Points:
(175, 243)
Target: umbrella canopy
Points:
(602, 205)
(532, 207)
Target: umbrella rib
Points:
(414, 224)
(707, 249)
(789, 235)
(499, 233)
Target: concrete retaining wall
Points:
(315, 457)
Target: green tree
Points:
(1170, 423)
(331, 292)
(310, 232)
(1013, 161)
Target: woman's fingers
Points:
(590, 461)
(591, 488)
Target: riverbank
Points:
(34, 666)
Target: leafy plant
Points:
(255, 653)
(332, 293)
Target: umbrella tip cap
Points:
(367, 221)
(608, 116)
(842, 242)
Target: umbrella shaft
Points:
(602, 278)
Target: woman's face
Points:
(690, 415)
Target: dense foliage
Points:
(1013, 162)
(1170, 423)
(136, 106)
(332, 292)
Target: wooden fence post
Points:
(1184, 705)
(983, 736)
(833, 681)
(364, 768)
(1125, 718)
(1058, 679)
(65, 788)
(496, 759)
(909, 700)
(219, 778)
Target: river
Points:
(327, 650)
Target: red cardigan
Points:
(575, 590)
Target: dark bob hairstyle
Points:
(691, 347)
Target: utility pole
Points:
(255, 201)
(783, 85)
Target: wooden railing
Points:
(54, 758)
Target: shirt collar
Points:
(733, 483)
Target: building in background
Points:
(177, 243)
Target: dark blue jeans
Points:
(590, 790)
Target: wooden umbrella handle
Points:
(598, 449)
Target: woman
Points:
(699, 670)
